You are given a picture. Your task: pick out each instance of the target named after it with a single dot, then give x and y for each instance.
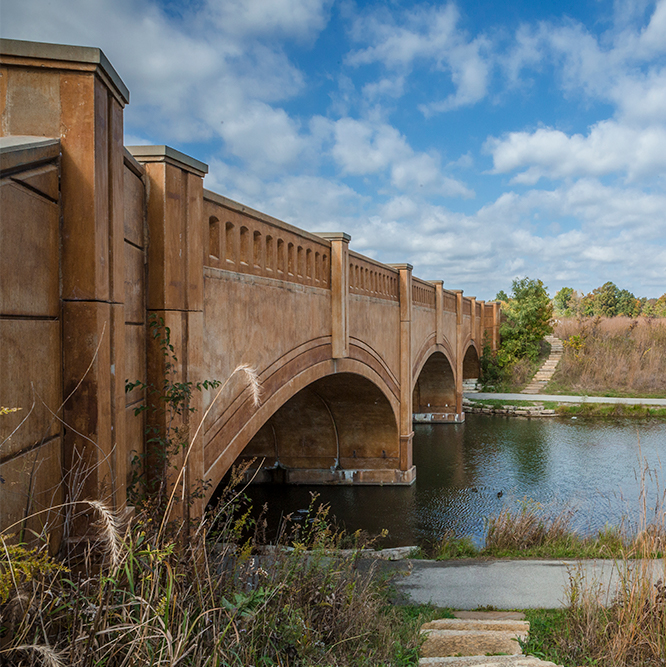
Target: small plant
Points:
(167, 432)
(452, 547)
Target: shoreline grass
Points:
(528, 533)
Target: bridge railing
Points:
(449, 299)
(423, 293)
(243, 240)
(370, 278)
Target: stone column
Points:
(481, 326)
(175, 297)
(439, 311)
(75, 94)
(459, 350)
(339, 292)
(406, 409)
(496, 325)
(473, 328)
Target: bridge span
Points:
(99, 238)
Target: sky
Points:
(480, 141)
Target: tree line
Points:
(606, 301)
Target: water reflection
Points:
(467, 472)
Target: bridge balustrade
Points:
(370, 278)
(253, 243)
(423, 293)
(449, 300)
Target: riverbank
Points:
(552, 405)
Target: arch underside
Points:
(471, 365)
(434, 396)
(337, 424)
(326, 421)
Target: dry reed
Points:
(612, 355)
(210, 601)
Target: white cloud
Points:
(362, 147)
(430, 35)
(214, 72)
(608, 148)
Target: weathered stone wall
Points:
(30, 331)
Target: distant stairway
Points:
(471, 386)
(543, 375)
(479, 639)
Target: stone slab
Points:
(490, 615)
(487, 661)
(503, 625)
(470, 642)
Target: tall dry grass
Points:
(617, 355)
(144, 596)
(151, 590)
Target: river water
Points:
(603, 472)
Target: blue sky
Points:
(480, 141)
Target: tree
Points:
(563, 301)
(528, 314)
(660, 306)
(605, 299)
(627, 304)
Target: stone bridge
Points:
(97, 239)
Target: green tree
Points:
(660, 306)
(605, 299)
(563, 301)
(528, 315)
(627, 304)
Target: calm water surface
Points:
(470, 471)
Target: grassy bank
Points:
(616, 356)
(144, 595)
(610, 410)
(530, 532)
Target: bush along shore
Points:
(536, 409)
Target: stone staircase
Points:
(471, 386)
(478, 639)
(543, 375)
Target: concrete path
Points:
(545, 373)
(483, 396)
(506, 584)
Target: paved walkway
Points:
(483, 396)
(507, 584)
(542, 376)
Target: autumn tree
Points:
(528, 315)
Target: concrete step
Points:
(489, 615)
(547, 370)
(441, 643)
(487, 661)
(468, 639)
(520, 627)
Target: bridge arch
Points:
(434, 381)
(348, 404)
(471, 365)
